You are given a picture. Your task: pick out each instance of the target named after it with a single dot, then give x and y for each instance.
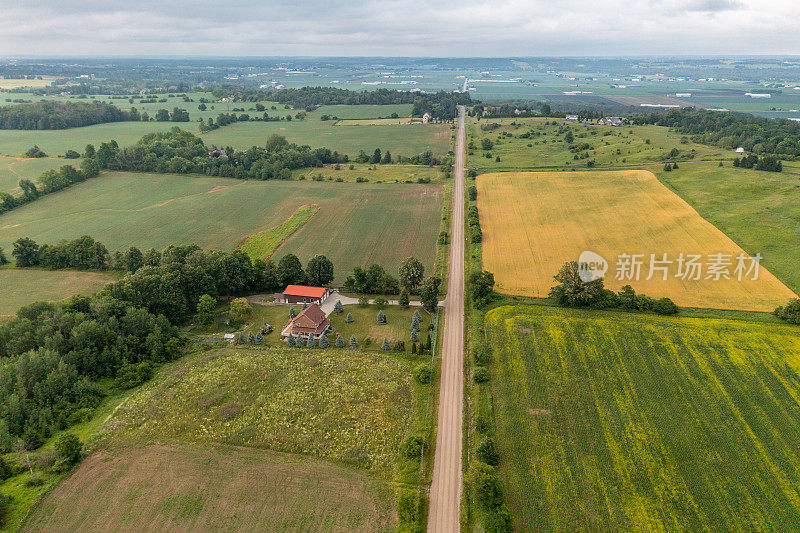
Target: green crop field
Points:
(20, 287)
(758, 210)
(357, 223)
(622, 422)
(608, 146)
(349, 112)
(406, 140)
(13, 169)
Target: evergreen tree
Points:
(414, 336)
(298, 341)
(337, 308)
(414, 348)
(259, 338)
(305, 305)
(404, 300)
(339, 341)
(310, 342)
(381, 318)
(251, 339)
(349, 318)
(386, 346)
(353, 341)
(323, 342)
(241, 339)
(292, 312)
(290, 341)
(417, 317)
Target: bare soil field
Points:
(534, 222)
(180, 488)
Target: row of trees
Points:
(441, 105)
(770, 163)
(181, 152)
(83, 253)
(50, 181)
(780, 137)
(572, 291)
(60, 115)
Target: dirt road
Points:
(445, 500)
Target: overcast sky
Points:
(399, 27)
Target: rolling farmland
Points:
(535, 222)
(20, 287)
(212, 488)
(13, 169)
(357, 223)
(616, 422)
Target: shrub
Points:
(423, 373)
(482, 374)
(5, 469)
(363, 301)
(665, 306)
(408, 506)
(482, 353)
(485, 484)
(412, 446)
(5, 506)
(487, 452)
(69, 448)
(790, 312)
(240, 310)
(399, 346)
(381, 301)
(132, 375)
(35, 151)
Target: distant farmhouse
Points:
(572, 118)
(300, 294)
(311, 322)
(610, 121)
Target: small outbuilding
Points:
(310, 322)
(740, 150)
(303, 294)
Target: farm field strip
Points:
(261, 245)
(535, 222)
(619, 422)
(357, 223)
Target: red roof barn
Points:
(297, 294)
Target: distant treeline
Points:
(60, 115)
(441, 105)
(759, 135)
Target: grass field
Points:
(759, 210)
(610, 146)
(183, 488)
(20, 287)
(261, 245)
(400, 140)
(14, 83)
(341, 405)
(374, 173)
(357, 223)
(13, 169)
(616, 422)
(357, 112)
(535, 222)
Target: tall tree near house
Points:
(412, 272)
(290, 270)
(429, 294)
(319, 271)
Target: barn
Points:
(299, 294)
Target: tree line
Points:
(441, 105)
(60, 115)
(760, 135)
(49, 182)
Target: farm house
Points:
(310, 321)
(299, 294)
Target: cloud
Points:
(399, 27)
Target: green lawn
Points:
(13, 169)
(357, 223)
(20, 287)
(758, 210)
(620, 422)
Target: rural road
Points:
(444, 515)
